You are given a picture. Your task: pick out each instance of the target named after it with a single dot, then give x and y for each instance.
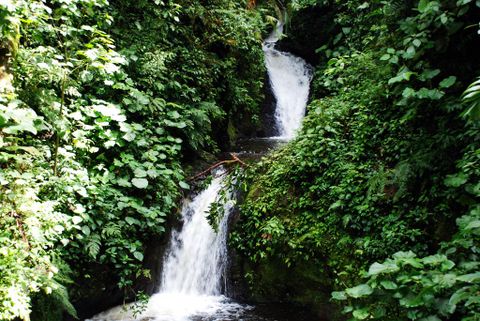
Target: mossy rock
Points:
(305, 284)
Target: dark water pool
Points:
(266, 312)
(205, 308)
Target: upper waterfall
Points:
(290, 78)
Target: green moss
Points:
(307, 284)
(231, 132)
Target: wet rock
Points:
(309, 30)
(268, 127)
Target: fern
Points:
(377, 182)
(62, 299)
(93, 245)
(396, 9)
(112, 230)
(391, 182)
(401, 177)
(51, 304)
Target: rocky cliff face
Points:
(308, 30)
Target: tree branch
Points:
(17, 218)
(220, 163)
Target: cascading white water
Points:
(194, 266)
(290, 78)
(196, 261)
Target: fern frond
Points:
(112, 230)
(93, 245)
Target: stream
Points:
(195, 264)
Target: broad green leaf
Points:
(175, 124)
(140, 97)
(20, 128)
(129, 137)
(138, 255)
(86, 76)
(415, 262)
(364, 5)
(385, 57)
(434, 259)
(359, 291)
(433, 94)
(139, 172)
(473, 225)
(408, 92)
(429, 74)
(173, 114)
(448, 82)
(455, 180)
(184, 185)
(86, 230)
(410, 53)
(403, 75)
(422, 5)
(130, 220)
(459, 295)
(339, 295)
(379, 268)
(140, 182)
(109, 143)
(447, 266)
(76, 219)
(124, 182)
(445, 280)
(389, 285)
(394, 59)
(412, 300)
(361, 314)
(469, 278)
(347, 309)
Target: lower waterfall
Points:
(196, 261)
(194, 267)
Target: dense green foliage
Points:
(377, 199)
(387, 161)
(105, 101)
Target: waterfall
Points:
(196, 261)
(194, 266)
(290, 78)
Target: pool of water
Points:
(163, 307)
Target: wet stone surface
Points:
(258, 147)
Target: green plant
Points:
(384, 162)
(434, 287)
(107, 100)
